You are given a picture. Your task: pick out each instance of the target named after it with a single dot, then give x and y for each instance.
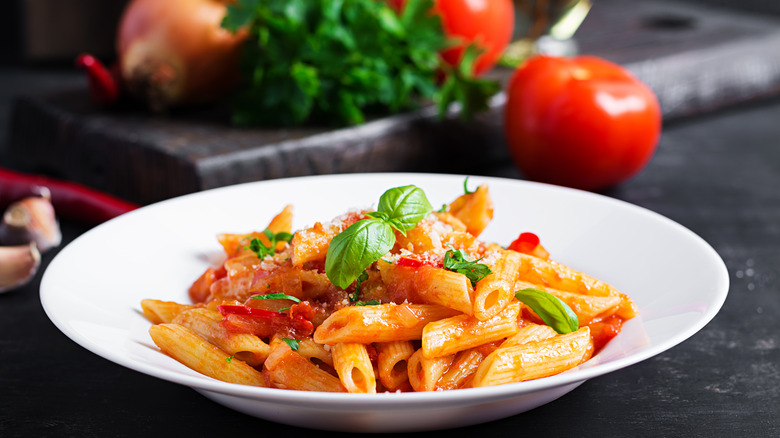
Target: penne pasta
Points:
(474, 209)
(393, 362)
(446, 288)
(243, 346)
(287, 369)
(424, 373)
(158, 312)
(496, 290)
(195, 352)
(405, 300)
(461, 332)
(534, 359)
(379, 323)
(354, 367)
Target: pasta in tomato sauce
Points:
(401, 298)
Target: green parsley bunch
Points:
(336, 61)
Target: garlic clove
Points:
(18, 265)
(31, 219)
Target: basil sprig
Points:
(353, 250)
(550, 308)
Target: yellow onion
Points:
(174, 52)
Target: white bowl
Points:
(92, 289)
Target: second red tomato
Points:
(487, 23)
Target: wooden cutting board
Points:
(696, 60)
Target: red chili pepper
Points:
(264, 323)
(525, 243)
(103, 85)
(70, 200)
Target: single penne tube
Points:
(495, 291)
(586, 307)
(287, 369)
(392, 363)
(461, 332)
(463, 368)
(424, 373)
(443, 287)
(160, 312)
(530, 333)
(354, 367)
(420, 239)
(552, 274)
(474, 209)
(311, 244)
(282, 222)
(534, 360)
(195, 352)
(243, 346)
(315, 352)
(379, 323)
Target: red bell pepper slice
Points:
(264, 323)
(525, 243)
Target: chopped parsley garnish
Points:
(258, 247)
(458, 261)
(229, 359)
(368, 303)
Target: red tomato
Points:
(487, 23)
(581, 122)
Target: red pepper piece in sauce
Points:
(70, 200)
(417, 261)
(529, 243)
(525, 243)
(264, 323)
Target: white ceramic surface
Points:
(93, 287)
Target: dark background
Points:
(717, 173)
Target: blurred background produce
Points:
(693, 59)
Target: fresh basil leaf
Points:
(550, 308)
(353, 250)
(457, 261)
(292, 343)
(405, 207)
(277, 296)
